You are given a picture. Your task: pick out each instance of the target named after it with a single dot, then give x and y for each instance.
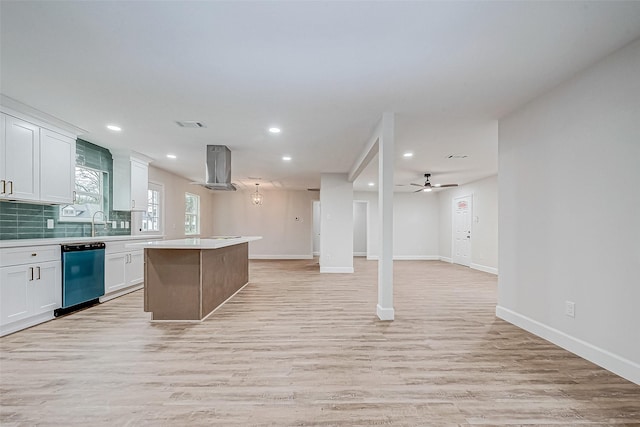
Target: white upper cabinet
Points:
(130, 183)
(57, 167)
(37, 164)
(20, 148)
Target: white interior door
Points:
(462, 214)
(316, 228)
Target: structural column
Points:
(336, 223)
(386, 143)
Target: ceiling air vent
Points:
(191, 124)
(457, 156)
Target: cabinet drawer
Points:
(115, 247)
(29, 255)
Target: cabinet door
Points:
(135, 268)
(114, 272)
(14, 298)
(57, 167)
(45, 291)
(139, 186)
(21, 148)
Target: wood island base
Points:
(188, 284)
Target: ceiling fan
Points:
(428, 187)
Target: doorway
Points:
(462, 214)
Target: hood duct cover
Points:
(218, 169)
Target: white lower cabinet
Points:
(29, 291)
(123, 268)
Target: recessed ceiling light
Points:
(114, 128)
(171, 156)
(407, 154)
(286, 158)
(274, 130)
(371, 184)
(426, 190)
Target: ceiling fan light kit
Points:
(427, 187)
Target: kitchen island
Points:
(187, 279)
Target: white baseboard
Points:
(336, 269)
(607, 360)
(408, 258)
(385, 313)
(359, 254)
(25, 323)
(445, 259)
(280, 256)
(121, 292)
(484, 268)
(316, 254)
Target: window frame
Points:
(102, 196)
(159, 188)
(195, 215)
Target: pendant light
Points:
(257, 198)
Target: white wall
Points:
(275, 220)
(359, 228)
(415, 225)
(569, 186)
(175, 188)
(336, 223)
(484, 225)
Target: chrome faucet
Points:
(93, 223)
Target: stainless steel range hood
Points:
(218, 169)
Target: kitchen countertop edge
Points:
(16, 243)
(193, 243)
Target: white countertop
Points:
(215, 242)
(15, 243)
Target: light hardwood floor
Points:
(298, 348)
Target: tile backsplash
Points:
(29, 221)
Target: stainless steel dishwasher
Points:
(82, 275)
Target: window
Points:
(191, 214)
(89, 197)
(152, 218)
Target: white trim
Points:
(26, 323)
(385, 313)
(24, 112)
(336, 269)
(280, 256)
(359, 254)
(408, 258)
(316, 254)
(121, 292)
(446, 259)
(484, 268)
(603, 358)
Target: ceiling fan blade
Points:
(417, 185)
(418, 191)
(448, 185)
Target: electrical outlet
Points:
(114, 224)
(121, 224)
(126, 224)
(570, 308)
(49, 224)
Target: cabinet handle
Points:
(4, 186)
(11, 187)
(31, 274)
(38, 268)
(75, 195)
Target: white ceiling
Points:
(322, 71)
